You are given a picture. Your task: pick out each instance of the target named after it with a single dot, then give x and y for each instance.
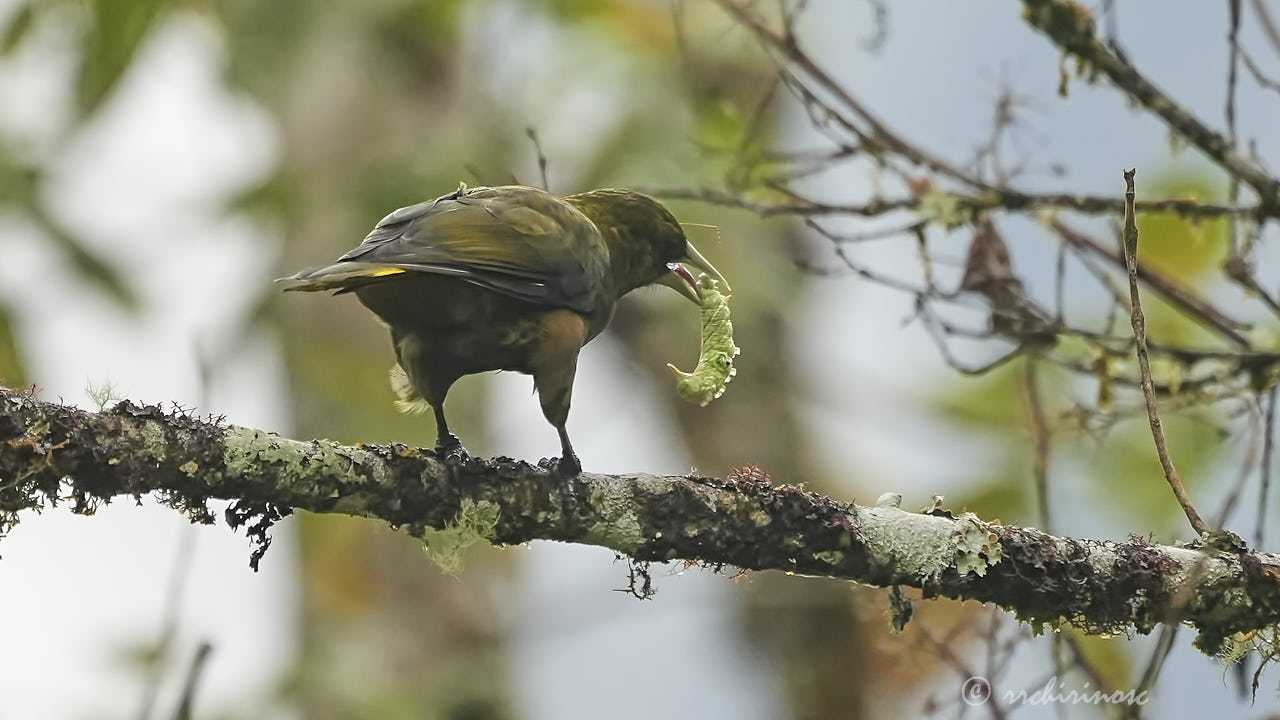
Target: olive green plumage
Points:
(506, 278)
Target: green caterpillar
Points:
(715, 360)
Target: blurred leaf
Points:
(420, 34)
(1003, 495)
(20, 186)
(1185, 250)
(1108, 656)
(344, 392)
(720, 124)
(17, 180)
(1124, 471)
(617, 148)
(16, 31)
(1169, 324)
(269, 196)
(87, 264)
(640, 24)
(990, 401)
(579, 10)
(266, 42)
(11, 371)
(116, 31)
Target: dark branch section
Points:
(52, 453)
(1070, 27)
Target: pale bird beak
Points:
(681, 280)
(694, 258)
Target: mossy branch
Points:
(52, 453)
(1070, 27)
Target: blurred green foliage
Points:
(113, 32)
(1184, 250)
(12, 373)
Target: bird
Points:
(508, 278)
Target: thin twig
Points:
(1003, 199)
(1233, 66)
(1164, 645)
(1268, 447)
(542, 158)
(1168, 632)
(867, 236)
(1059, 285)
(1042, 437)
(1177, 294)
(1251, 457)
(728, 199)
(173, 606)
(945, 648)
(1099, 680)
(1268, 23)
(880, 134)
(185, 703)
(1144, 363)
(1259, 77)
(755, 122)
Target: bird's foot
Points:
(568, 465)
(450, 449)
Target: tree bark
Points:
(50, 453)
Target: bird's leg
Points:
(447, 444)
(554, 363)
(569, 463)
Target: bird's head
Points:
(646, 244)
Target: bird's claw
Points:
(568, 465)
(450, 450)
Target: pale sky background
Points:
(144, 186)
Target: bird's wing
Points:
(519, 241)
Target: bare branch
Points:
(1258, 76)
(1179, 295)
(1071, 28)
(542, 158)
(786, 46)
(1042, 438)
(1003, 199)
(1144, 363)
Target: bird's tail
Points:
(339, 276)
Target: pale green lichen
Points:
(977, 546)
(475, 521)
(830, 557)
(942, 207)
(916, 545)
(248, 453)
(616, 526)
(102, 395)
(152, 438)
